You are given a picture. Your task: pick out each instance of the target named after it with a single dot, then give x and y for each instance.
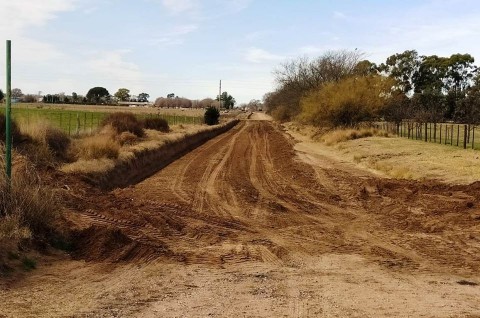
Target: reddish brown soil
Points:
(244, 226)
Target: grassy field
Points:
(440, 133)
(80, 118)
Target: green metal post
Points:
(8, 134)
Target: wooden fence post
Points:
(440, 133)
(473, 137)
(426, 135)
(435, 132)
(465, 137)
(458, 134)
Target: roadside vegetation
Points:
(341, 89)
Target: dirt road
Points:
(247, 226)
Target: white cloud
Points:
(175, 36)
(178, 6)
(111, 68)
(17, 15)
(339, 15)
(256, 55)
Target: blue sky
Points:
(186, 46)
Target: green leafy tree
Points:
(97, 94)
(403, 67)
(1, 95)
(227, 100)
(74, 97)
(171, 95)
(143, 97)
(123, 94)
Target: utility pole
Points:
(8, 134)
(220, 95)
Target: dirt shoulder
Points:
(395, 157)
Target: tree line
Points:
(340, 88)
(100, 95)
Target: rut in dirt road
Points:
(246, 195)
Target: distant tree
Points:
(171, 95)
(29, 98)
(74, 97)
(17, 93)
(123, 94)
(143, 97)
(97, 94)
(211, 115)
(207, 102)
(227, 101)
(1, 95)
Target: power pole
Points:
(220, 95)
(8, 134)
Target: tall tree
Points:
(1, 95)
(17, 93)
(227, 100)
(97, 94)
(123, 94)
(403, 67)
(143, 97)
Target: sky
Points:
(186, 46)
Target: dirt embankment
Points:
(147, 161)
(244, 225)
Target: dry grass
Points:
(28, 208)
(341, 135)
(97, 147)
(123, 122)
(52, 142)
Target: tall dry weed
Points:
(341, 135)
(27, 206)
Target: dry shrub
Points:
(97, 147)
(341, 135)
(55, 141)
(127, 138)
(124, 122)
(27, 207)
(156, 123)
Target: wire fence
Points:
(76, 122)
(459, 135)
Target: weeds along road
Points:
(245, 226)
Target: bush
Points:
(124, 122)
(348, 102)
(211, 116)
(156, 123)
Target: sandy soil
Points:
(247, 226)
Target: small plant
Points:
(156, 123)
(124, 122)
(211, 115)
(28, 264)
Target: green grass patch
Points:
(74, 121)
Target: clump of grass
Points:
(55, 142)
(97, 147)
(28, 208)
(126, 138)
(156, 123)
(342, 135)
(122, 122)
